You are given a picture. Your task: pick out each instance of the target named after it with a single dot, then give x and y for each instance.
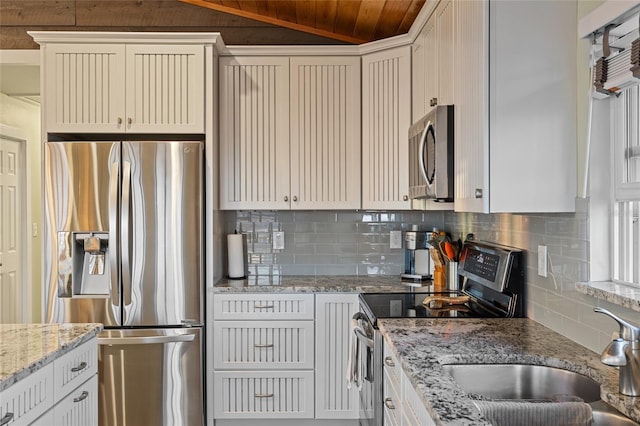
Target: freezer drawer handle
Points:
(146, 340)
(263, 345)
(6, 419)
(80, 367)
(263, 395)
(82, 397)
(264, 306)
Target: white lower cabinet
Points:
(263, 394)
(282, 356)
(62, 393)
(402, 405)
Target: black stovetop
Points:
(409, 305)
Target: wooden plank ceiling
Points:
(351, 21)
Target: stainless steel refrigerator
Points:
(124, 247)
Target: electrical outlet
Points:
(542, 261)
(395, 239)
(278, 240)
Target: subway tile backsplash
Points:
(357, 243)
(326, 242)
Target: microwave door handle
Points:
(114, 178)
(125, 232)
(421, 148)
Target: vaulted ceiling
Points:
(351, 21)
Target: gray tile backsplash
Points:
(326, 242)
(357, 243)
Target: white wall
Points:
(25, 115)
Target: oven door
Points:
(369, 366)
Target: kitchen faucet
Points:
(624, 352)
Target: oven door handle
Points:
(363, 338)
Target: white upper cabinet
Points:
(515, 109)
(84, 88)
(386, 103)
(118, 88)
(254, 132)
(290, 132)
(433, 61)
(325, 133)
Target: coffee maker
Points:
(417, 261)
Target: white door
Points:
(11, 239)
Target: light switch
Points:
(278, 240)
(542, 261)
(395, 239)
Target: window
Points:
(626, 181)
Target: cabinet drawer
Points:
(276, 394)
(391, 368)
(80, 407)
(75, 367)
(263, 306)
(263, 344)
(29, 398)
(392, 402)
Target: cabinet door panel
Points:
(471, 107)
(445, 28)
(325, 133)
(254, 133)
(165, 88)
(386, 101)
(333, 333)
(84, 89)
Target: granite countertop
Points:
(25, 348)
(422, 346)
(319, 284)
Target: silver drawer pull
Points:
(263, 345)
(82, 397)
(388, 402)
(389, 362)
(6, 419)
(263, 395)
(264, 306)
(80, 367)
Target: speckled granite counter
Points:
(25, 348)
(617, 293)
(315, 284)
(424, 345)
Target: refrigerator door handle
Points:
(114, 178)
(125, 230)
(146, 340)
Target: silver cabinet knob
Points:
(129, 121)
(389, 362)
(433, 102)
(388, 402)
(295, 198)
(119, 120)
(405, 198)
(286, 199)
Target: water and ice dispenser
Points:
(83, 264)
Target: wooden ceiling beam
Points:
(276, 21)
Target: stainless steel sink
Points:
(520, 381)
(534, 382)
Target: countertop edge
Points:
(621, 294)
(67, 346)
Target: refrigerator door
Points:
(161, 233)
(81, 259)
(150, 377)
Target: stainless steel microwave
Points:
(431, 155)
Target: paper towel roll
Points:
(236, 244)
